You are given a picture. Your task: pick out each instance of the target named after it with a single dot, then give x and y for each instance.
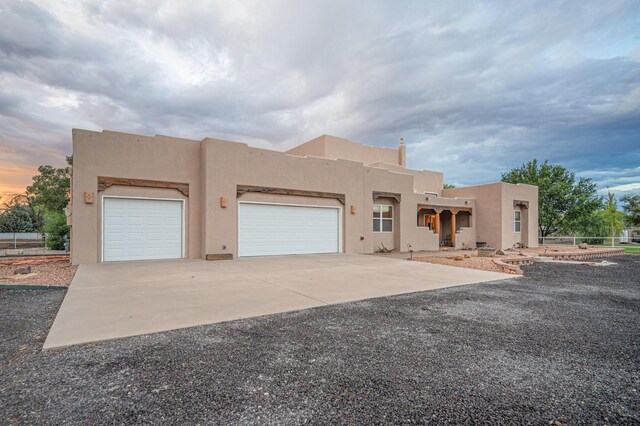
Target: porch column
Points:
(437, 224)
(453, 227)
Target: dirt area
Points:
(472, 261)
(469, 260)
(44, 272)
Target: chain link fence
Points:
(21, 239)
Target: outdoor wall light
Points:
(426, 198)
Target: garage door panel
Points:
(138, 229)
(272, 229)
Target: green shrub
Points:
(16, 219)
(56, 228)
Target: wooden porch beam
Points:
(453, 230)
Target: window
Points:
(516, 220)
(382, 218)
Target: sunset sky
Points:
(475, 88)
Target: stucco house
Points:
(138, 197)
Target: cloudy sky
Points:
(474, 88)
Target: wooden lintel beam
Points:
(440, 209)
(105, 182)
(243, 189)
(522, 203)
(380, 194)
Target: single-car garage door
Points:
(139, 229)
(276, 229)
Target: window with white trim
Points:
(382, 218)
(516, 220)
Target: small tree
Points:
(632, 209)
(449, 186)
(613, 218)
(55, 225)
(16, 218)
(28, 202)
(563, 202)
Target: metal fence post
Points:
(574, 240)
(15, 241)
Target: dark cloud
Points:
(475, 88)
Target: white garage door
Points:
(272, 229)
(137, 229)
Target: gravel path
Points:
(560, 344)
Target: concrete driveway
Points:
(120, 299)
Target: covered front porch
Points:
(453, 225)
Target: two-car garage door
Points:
(277, 229)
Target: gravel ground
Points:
(559, 344)
(59, 273)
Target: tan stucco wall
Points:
(333, 147)
(312, 148)
(494, 212)
(214, 168)
(114, 154)
(528, 235)
(423, 180)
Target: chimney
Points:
(402, 153)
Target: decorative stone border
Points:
(584, 255)
(511, 265)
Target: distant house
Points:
(138, 197)
(630, 235)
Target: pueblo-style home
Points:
(138, 197)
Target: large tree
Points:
(632, 209)
(51, 187)
(564, 203)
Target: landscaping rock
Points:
(486, 252)
(500, 253)
(22, 270)
(583, 246)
